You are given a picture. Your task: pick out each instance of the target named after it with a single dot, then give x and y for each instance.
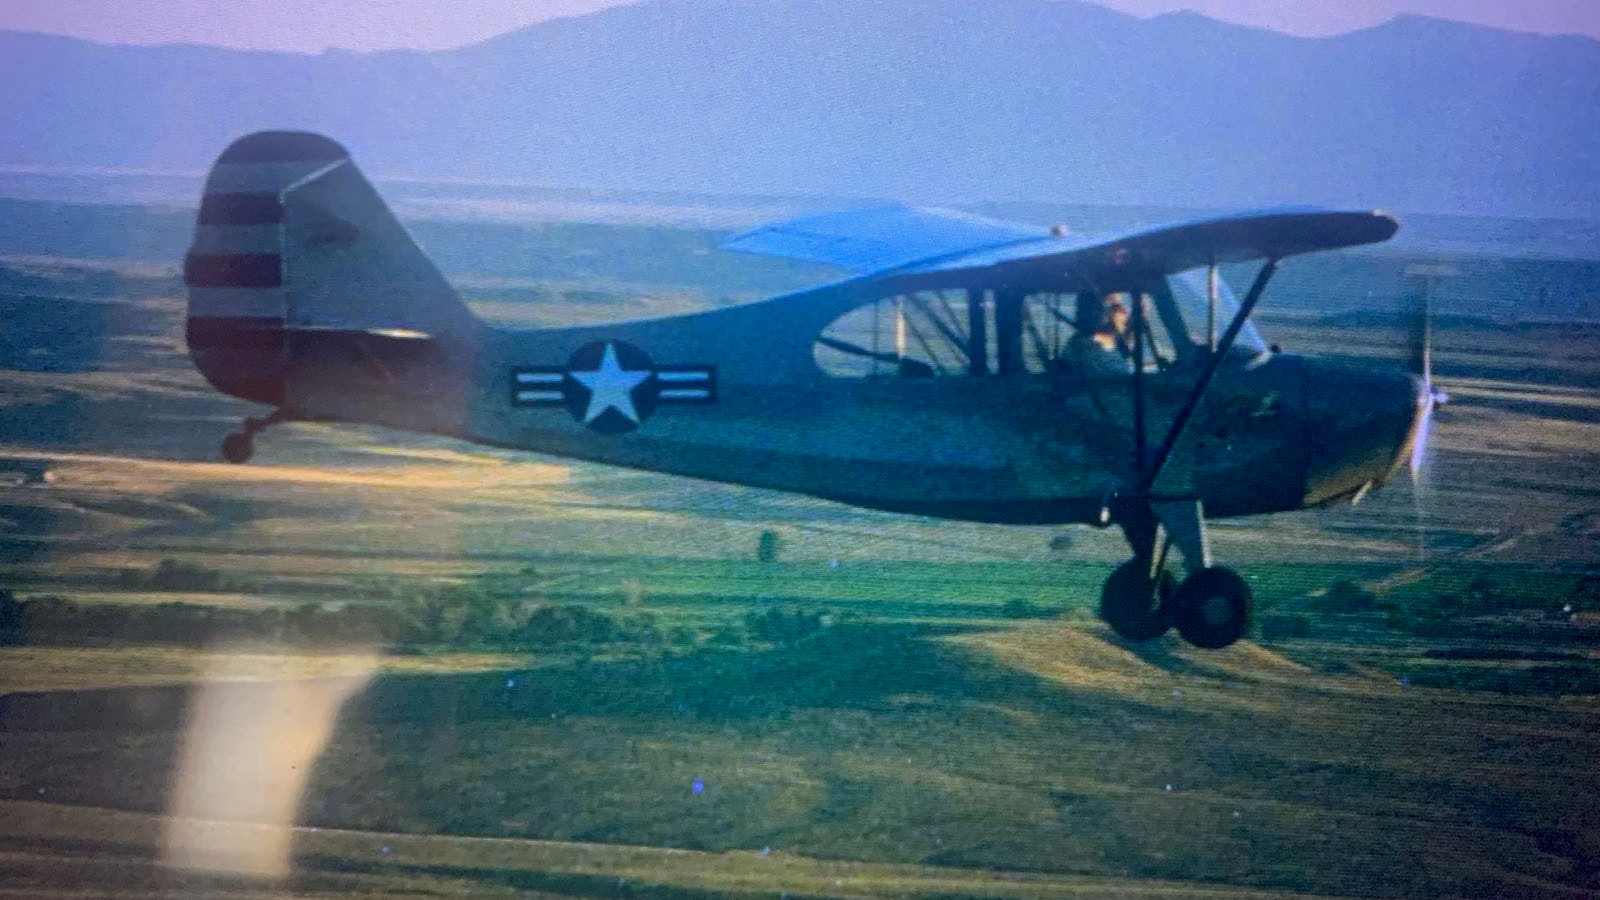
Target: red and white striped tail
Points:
(292, 240)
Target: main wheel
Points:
(238, 448)
(1134, 604)
(1212, 608)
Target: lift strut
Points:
(1198, 392)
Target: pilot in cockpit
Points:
(1113, 335)
(1103, 344)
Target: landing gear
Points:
(1134, 602)
(239, 446)
(1134, 599)
(1211, 608)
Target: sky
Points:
(314, 25)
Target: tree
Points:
(767, 547)
(10, 618)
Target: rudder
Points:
(295, 253)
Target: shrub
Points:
(632, 592)
(172, 575)
(767, 547)
(640, 628)
(1426, 621)
(1345, 596)
(488, 620)
(549, 626)
(10, 618)
(1018, 608)
(1482, 596)
(1285, 627)
(783, 628)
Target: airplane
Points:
(964, 368)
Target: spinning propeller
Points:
(1429, 396)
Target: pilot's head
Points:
(1116, 314)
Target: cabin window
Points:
(932, 334)
(1191, 294)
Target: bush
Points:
(1018, 608)
(1345, 596)
(424, 621)
(552, 625)
(1281, 628)
(767, 547)
(44, 617)
(172, 575)
(640, 628)
(462, 617)
(10, 619)
(1483, 596)
(489, 620)
(632, 592)
(783, 628)
(1427, 621)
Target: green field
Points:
(373, 663)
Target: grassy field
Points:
(894, 707)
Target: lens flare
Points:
(1419, 445)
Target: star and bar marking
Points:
(611, 386)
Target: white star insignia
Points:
(610, 387)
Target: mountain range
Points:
(952, 101)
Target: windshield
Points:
(1190, 290)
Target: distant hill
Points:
(500, 261)
(925, 100)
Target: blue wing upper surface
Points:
(879, 238)
(921, 246)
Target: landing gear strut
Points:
(239, 446)
(1211, 607)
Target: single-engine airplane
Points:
(967, 369)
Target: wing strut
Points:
(1198, 392)
(977, 334)
(958, 342)
(1139, 437)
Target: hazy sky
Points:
(311, 25)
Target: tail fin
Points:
(293, 242)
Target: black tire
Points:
(1133, 604)
(1212, 608)
(238, 448)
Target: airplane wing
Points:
(880, 238)
(950, 249)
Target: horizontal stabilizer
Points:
(390, 334)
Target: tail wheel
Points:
(1135, 604)
(238, 448)
(1212, 608)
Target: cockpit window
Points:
(1191, 292)
(931, 334)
